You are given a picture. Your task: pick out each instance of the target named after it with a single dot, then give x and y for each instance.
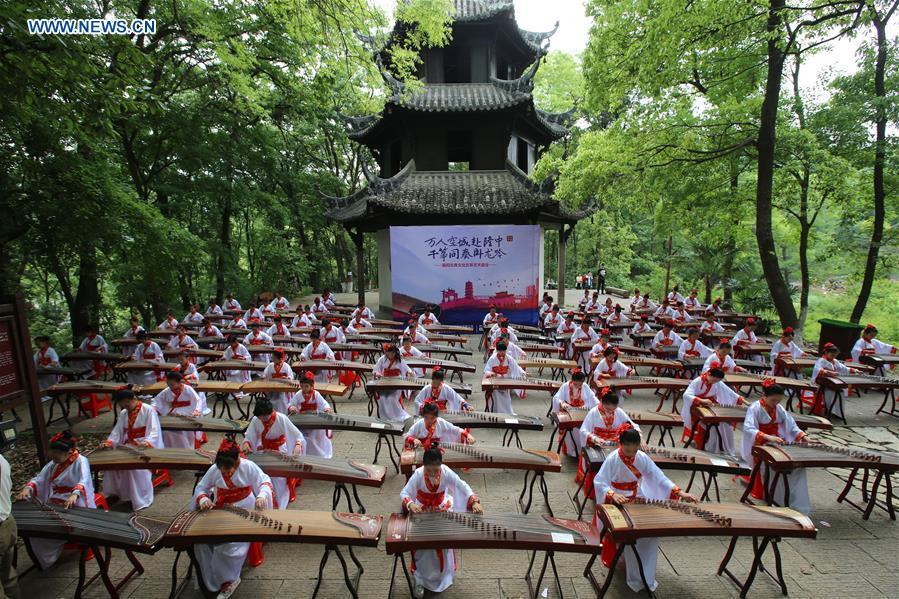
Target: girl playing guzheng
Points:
(767, 423)
(317, 349)
(784, 348)
(230, 482)
(610, 367)
(178, 398)
(573, 394)
(721, 359)
(237, 351)
(708, 390)
(624, 476)
(868, 345)
(64, 480)
(432, 428)
(432, 488)
(826, 365)
(136, 426)
(441, 394)
(501, 365)
(278, 369)
(307, 399)
(273, 431)
(603, 424)
(146, 350)
(390, 403)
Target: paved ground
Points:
(851, 557)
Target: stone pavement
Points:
(851, 557)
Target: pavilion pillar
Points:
(563, 239)
(358, 240)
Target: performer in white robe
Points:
(646, 303)
(307, 399)
(681, 314)
(705, 390)
(279, 304)
(869, 345)
(784, 348)
(182, 341)
(438, 392)
(692, 347)
(746, 336)
(674, 295)
(635, 297)
(230, 482)
(408, 351)
(828, 364)
(602, 425)
(363, 311)
(319, 350)
(136, 426)
(237, 351)
(237, 323)
(278, 328)
(715, 307)
(664, 312)
(318, 307)
(721, 359)
(567, 327)
(500, 365)
(93, 342)
(64, 480)
(358, 323)
(573, 394)
(213, 309)
(553, 319)
(710, 324)
(584, 334)
(193, 317)
(231, 304)
(273, 431)
(258, 337)
(328, 298)
(767, 422)
(46, 357)
(191, 376)
(427, 318)
(170, 323)
(414, 331)
(280, 370)
(617, 316)
(598, 350)
(611, 368)
(331, 333)
(146, 350)
(435, 488)
(254, 315)
(692, 302)
(177, 398)
(642, 326)
(390, 403)
(503, 329)
(431, 428)
(625, 475)
(666, 337)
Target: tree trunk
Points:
(708, 289)
(727, 265)
(879, 159)
(668, 270)
(780, 293)
(85, 307)
(224, 248)
(804, 231)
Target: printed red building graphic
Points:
(503, 300)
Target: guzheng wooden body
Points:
(547, 363)
(76, 355)
(201, 386)
(353, 472)
(743, 379)
(819, 455)
(640, 519)
(633, 350)
(344, 365)
(530, 384)
(220, 365)
(361, 348)
(461, 530)
(879, 360)
(429, 364)
(698, 363)
(87, 386)
(230, 524)
(754, 348)
(737, 414)
(126, 457)
(539, 348)
(207, 341)
(449, 339)
(376, 340)
(492, 420)
(271, 349)
(62, 371)
(389, 383)
(436, 348)
(213, 354)
(144, 366)
(574, 418)
(635, 362)
(109, 529)
(859, 381)
(673, 458)
(288, 386)
(178, 422)
(344, 422)
(457, 455)
(646, 382)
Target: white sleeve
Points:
(253, 435)
(118, 431)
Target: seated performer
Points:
(707, 390)
(45, 357)
(437, 392)
(237, 351)
(768, 423)
(208, 329)
(503, 328)
(573, 394)
(693, 301)
(642, 326)
(868, 345)
(545, 306)
(427, 318)
(746, 336)
(358, 322)
(567, 327)
(181, 340)
(278, 328)
(318, 307)
(617, 316)
(273, 431)
(213, 309)
(316, 349)
(363, 311)
(390, 403)
(146, 350)
(133, 329)
(415, 332)
(625, 475)
(553, 319)
(645, 303)
(193, 317)
(828, 365)
(512, 349)
(431, 428)
(304, 318)
(64, 480)
(582, 304)
(278, 369)
(664, 312)
(681, 314)
(254, 314)
(584, 334)
(784, 348)
(499, 365)
(635, 298)
(177, 398)
(237, 323)
(232, 304)
(692, 347)
(490, 319)
(136, 426)
(721, 359)
(598, 350)
(436, 488)
(674, 295)
(279, 304)
(230, 482)
(258, 337)
(330, 333)
(710, 324)
(407, 351)
(666, 337)
(715, 307)
(328, 298)
(601, 426)
(611, 368)
(307, 399)
(93, 342)
(170, 323)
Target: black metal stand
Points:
(509, 435)
(758, 552)
(534, 588)
(351, 584)
(529, 490)
(391, 450)
(340, 489)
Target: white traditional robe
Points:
(169, 324)
(253, 315)
(366, 312)
(721, 394)
(674, 297)
(413, 352)
(442, 431)
(418, 337)
(692, 302)
(615, 476)
(425, 320)
(551, 321)
(501, 400)
(743, 337)
(47, 358)
(319, 308)
(214, 309)
(711, 325)
(616, 369)
(714, 361)
(869, 348)
(94, 344)
(281, 372)
(390, 403)
(132, 332)
(683, 315)
(829, 395)
(181, 343)
(137, 428)
(693, 349)
(640, 327)
(663, 340)
(581, 336)
(148, 353)
(321, 351)
(332, 334)
(193, 318)
(318, 441)
(585, 399)
(187, 403)
(355, 326)
(496, 331)
(515, 352)
(281, 329)
(232, 304)
(241, 353)
(222, 562)
(599, 427)
(237, 323)
(445, 397)
(276, 433)
(54, 484)
(259, 337)
(434, 568)
(779, 349)
(490, 320)
(279, 304)
(759, 418)
(664, 313)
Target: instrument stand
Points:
(664, 430)
(889, 395)
(870, 497)
(601, 591)
(351, 585)
(391, 450)
(340, 489)
(708, 480)
(758, 551)
(525, 507)
(534, 588)
(509, 435)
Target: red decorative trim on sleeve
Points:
(32, 485)
(471, 501)
(675, 493)
(79, 488)
(409, 443)
(759, 438)
(801, 436)
(201, 496)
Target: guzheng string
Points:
(36, 515)
(458, 524)
(260, 519)
(687, 508)
(846, 451)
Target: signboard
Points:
(464, 269)
(10, 382)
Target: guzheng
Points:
(201, 386)
(879, 360)
(76, 355)
(389, 324)
(698, 363)
(452, 340)
(633, 350)
(221, 365)
(547, 363)
(344, 422)
(85, 386)
(288, 386)
(634, 362)
(458, 455)
(62, 371)
(344, 365)
(355, 347)
(716, 414)
(673, 458)
(375, 339)
(859, 381)
(353, 472)
(530, 384)
(741, 379)
(646, 382)
(539, 338)
(389, 383)
(125, 457)
(429, 363)
(492, 420)
(270, 349)
(460, 530)
(754, 348)
(206, 341)
(301, 330)
(231, 524)
(213, 354)
(144, 365)
(539, 348)
(450, 328)
(435, 348)
(574, 417)
(820, 455)
(383, 331)
(179, 422)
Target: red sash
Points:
(230, 495)
(176, 403)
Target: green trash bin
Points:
(841, 333)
